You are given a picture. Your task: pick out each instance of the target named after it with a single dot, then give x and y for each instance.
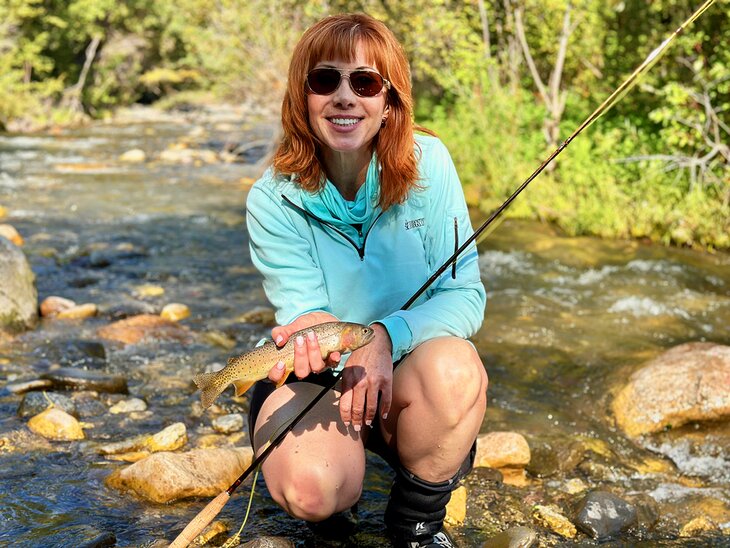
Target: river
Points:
(566, 319)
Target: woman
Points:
(354, 216)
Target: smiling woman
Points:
(351, 171)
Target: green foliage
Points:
(657, 166)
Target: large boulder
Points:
(164, 477)
(18, 295)
(690, 382)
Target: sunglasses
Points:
(365, 83)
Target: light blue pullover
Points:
(320, 252)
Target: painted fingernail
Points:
(300, 340)
(279, 340)
(280, 365)
(310, 336)
(347, 424)
(385, 416)
(357, 428)
(368, 423)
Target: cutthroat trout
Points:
(244, 370)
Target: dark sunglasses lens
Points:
(323, 81)
(365, 83)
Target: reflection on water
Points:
(566, 319)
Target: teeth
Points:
(344, 121)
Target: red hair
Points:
(338, 37)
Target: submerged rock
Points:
(551, 518)
(516, 537)
(55, 424)
(456, 508)
(269, 542)
(165, 477)
(690, 382)
(144, 327)
(36, 402)
(18, 295)
(80, 379)
(263, 315)
(175, 312)
(75, 353)
(170, 438)
(699, 526)
(602, 515)
(128, 406)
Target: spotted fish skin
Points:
(244, 370)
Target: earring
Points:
(382, 122)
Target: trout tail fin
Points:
(209, 388)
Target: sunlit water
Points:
(567, 319)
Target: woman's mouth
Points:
(344, 122)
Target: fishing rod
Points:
(196, 526)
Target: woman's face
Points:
(344, 121)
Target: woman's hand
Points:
(307, 355)
(367, 374)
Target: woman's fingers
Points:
(276, 373)
(315, 355)
(301, 358)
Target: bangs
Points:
(340, 43)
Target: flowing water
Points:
(567, 319)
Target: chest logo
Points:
(415, 223)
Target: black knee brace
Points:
(416, 507)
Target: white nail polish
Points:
(300, 340)
(357, 428)
(385, 416)
(279, 340)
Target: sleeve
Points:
(452, 305)
(293, 280)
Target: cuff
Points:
(400, 335)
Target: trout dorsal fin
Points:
(231, 360)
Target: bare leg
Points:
(439, 400)
(319, 467)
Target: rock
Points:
(175, 312)
(269, 542)
(547, 459)
(103, 540)
(164, 477)
(9, 232)
(74, 353)
(102, 258)
(55, 424)
(516, 537)
(133, 156)
(144, 327)
(602, 515)
(28, 386)
(551, 518)
(456, 508)
(215, 530)
(128, 406)
(88, 404)
(690, 382)
(263, 315)
(133, 456)
(53, 305)
(3, 212)
(188, 156)
(79, 312)
(36, 402)
(574, 486)
(219, 338)
(79, 379)
(122, 311)
(170, 438)
(149, 290)
(502, 449)
(698, 526)
(228, 424)
(18, 295)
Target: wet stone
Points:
(603, 515)
(128, 406)
(227, 424)
(699, 526)
(126, 310)
(547, 460)
(27, 386)
(106, 257)
(516, 537)
(75, 353)
(263, 315)
(36, 402)
(552, 518)
(269, 542)
(89, 406)
(80, 379)
(55, 424)
(103, 540)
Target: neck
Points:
(347, 170)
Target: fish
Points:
(254, 365)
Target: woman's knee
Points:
(454, 377)
(312, 494)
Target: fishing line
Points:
(216, 505)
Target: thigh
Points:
(319, 449)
